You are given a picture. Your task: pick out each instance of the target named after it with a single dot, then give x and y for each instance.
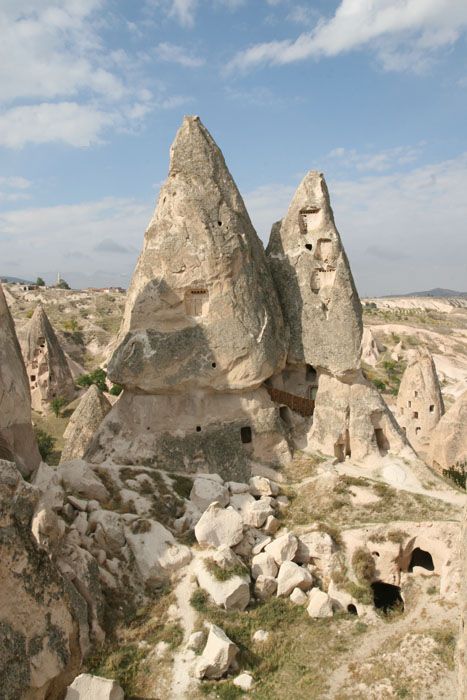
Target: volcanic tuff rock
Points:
(201, 309)
(314, 282)
(419, 401)
(371, 348)
(448, 445)
(17, 441)
(47, 368)
(352, 419)
(84, 422)
(39, 609)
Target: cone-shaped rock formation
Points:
(91, 411)
(201, 308)
(314, 282)
(202, 329)
(448, 445)
(46, 365)
(17, 441)
(419, 401)
(371, 349)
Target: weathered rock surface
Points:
(84, 422)
(206, 491)
(218, 655)
(219, 526)
(419, 402)
(263, 564)
(319, 604)
(283, 548)
(46, 365)
(156, 551)
(78, 478)
(448, 445)
(265, 587)
(88, 687)
(371, 349)
(201, 308)
(39, 609)
(17, 440)
(292, 576)
(314, 283)
(352, 419)
(232, 594)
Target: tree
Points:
(57, 405)
(63, 284)
(40, 282)
(116, 390)
(45, 443)
(97, 377)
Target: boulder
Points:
(265, 587)
(156, 552)
(207, 491)
(261, 636)
(244, 681)
(261, 486)
(88, 687)
(255, 514)
(271, 525)
(48, 529)
(316, 547)
(108, 531)
(17, 440)
(84, 422)
(218, 655)
(292, 576)
(232, 594)
(319, 604)
(283, 548)
(236, 487)
(298, 597)
(196, 640)
(263, 564)
(47, 480)
(79, 479)
(241, 502)
(218, 526)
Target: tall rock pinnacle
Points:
(46, 365)
(17, 441)
(314, 282)
(201, 310)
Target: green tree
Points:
(45, 442)
(57, 405)
(97, 377)
(116, 390)
(63, 284)
(40, 282)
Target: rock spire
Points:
(448, 440)
(84, 422)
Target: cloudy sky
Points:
(371, 92)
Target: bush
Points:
(199, 600)
(457, 474)
(116, 390)
(71, 324)
(221, 574)
(63, 284)
(363, 565)
(97, 377)
(380, 385)
(57, 405)
(45, 442)
(40, 282)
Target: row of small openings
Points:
(246, 434)
(415, 413)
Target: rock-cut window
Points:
(196, 302)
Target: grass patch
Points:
(182, 485)
(224, 574)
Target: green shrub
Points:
(224, 574)
(45, 442)
(71, 324)
(380, 385)
(116, 389)
(56, 405)
(199, 600)
(457, 474)
(363, 565)
(40, 282)
(97, 377)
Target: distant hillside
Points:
(437, 292)
(19, 280)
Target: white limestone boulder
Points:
(292, 576)
(79, 479)
(255, 514)
(218, 526)
(233, 593)
(108, 530)
(88, 687)
(319, 604)
(244, 681)
(263, 565)
(265, 587)
(261, 486)
(207, 491)
(156, 552)
(218, 655)
(298, 597)
(283, 548)
(242, 502)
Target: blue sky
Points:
(371, 92)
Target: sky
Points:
(373, 93)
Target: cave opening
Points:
(387, 597)
(421, 558)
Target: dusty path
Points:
(184, 658)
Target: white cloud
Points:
(184, 11)
(377, 162)
(171, 53)
(404, 34)
(13, 188)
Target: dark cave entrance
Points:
(421, 558)
(351, 609)
(387, 597)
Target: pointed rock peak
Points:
(194, 147)
(84, 422)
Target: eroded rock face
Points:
(315, 286)
(351, 419)
(17, 440)
(84, 422)
(39, 633)
(419, 402)
(46, 365)
(448, 445)
(201, 308)
(371, 349)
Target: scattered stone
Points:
(256, 513)
(283, 548)
(282, 502)
(196, 641)
(244, 681)
(232, 594)
(265, 587)
(298, 597)
(263, 564)
(292, 576)
(79, 503)
(218, 655)
(261, 636)
(48, 529)
(271, 525)
(260, 486)
(207, 491)
(236, 487)
(88, 687)
(261, 544)
(78, 477)
(319, 604)
(241, 502)
(218, 526)
(156, 552)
